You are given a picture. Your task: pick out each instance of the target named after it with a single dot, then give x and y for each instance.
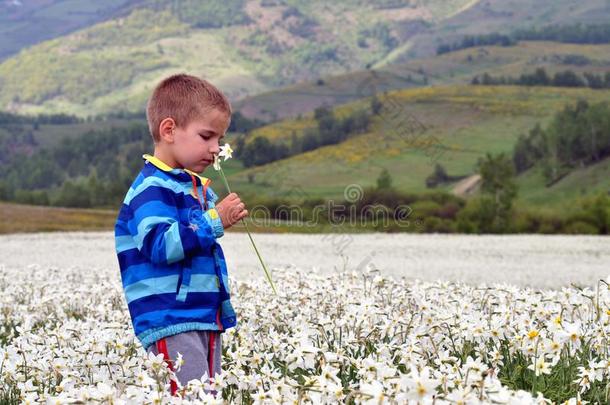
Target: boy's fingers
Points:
(238, 215)
(229, 197)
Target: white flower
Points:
(144, 379)
(216, 163)
(571, 333)
(539, 366)
(328, 376)
(462, 395)
(474, 365)
(179, 361)
(374, 391)
(327, 343)
(104, 392)
(420, 385)
(585, 378)
(226, 151)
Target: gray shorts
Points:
(201, 351)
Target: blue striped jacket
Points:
(173, 270)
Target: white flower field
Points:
(333, 334)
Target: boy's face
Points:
(195, 145)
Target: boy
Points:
(173, 270)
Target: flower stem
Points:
(267, 274)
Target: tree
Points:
(384, 181)
(376, 105)
(541, 78)
(522, 154)
(321, 112)
(487, 79)
(74, 194)
(567, 79)
(594, 81)
(498, 189)
(438, 176)
(599, 210)
(295, 144)
(310, 140)
(240, 123)
(5, 191)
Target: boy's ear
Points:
(166, 130)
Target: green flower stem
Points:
(267, 274)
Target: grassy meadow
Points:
(451, 68)
(462, 123)
(19, 218)
(467, 121)
(243, 47)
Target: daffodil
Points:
(539, 366)
(227, 152)
(312, 349)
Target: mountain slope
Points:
(504, 16)
(457, 67)
(458, 125)
(463, 124)
(24, 23)
(243, 46)
(251, 46)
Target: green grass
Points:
(468, 121)
(579, 183)
(22, 218)
(50, 135)
(129, 55)
(32, 23)
(448, 69)
(17, 218)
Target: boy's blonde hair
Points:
(183, 97)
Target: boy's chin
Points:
(199, 167)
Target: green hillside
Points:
(242, 46)
(503, 16)
(456, 67)
(463, 122)
(17, 218)
(412, 132)
(250, 46)
(451, 68)
(25, 23)
(457, 126)
(579, 183)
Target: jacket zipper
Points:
(196, 192)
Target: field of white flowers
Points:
(343, 336)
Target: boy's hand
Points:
(231, 209)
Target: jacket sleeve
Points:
(158, 233)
